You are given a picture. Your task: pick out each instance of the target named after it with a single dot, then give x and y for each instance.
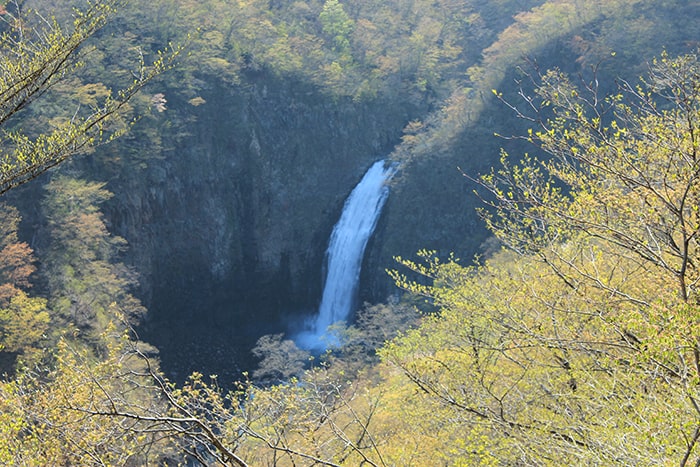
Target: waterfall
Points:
(345, 253)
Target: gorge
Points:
(228, 195)
(209, 264)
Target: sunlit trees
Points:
(23, 319)
(36, 53)
(324, 418)
(583, 346)
(64, 416)
(623, 170)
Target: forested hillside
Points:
(170, 189)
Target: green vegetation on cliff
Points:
(576, 343)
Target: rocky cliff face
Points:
(228, 223)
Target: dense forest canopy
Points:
(200, 152)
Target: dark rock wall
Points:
(229, 222)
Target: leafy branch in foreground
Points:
(622, 169)
(35, 54)
(580, 344)
(120, 410)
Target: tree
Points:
(35, 54)
(280, 359)
(51, 417)
(16, 258)
(337, 25)
(23, 319)
(88, 287)
(119, 410)
(624, 170)
(568, 348)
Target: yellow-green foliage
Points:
(36, 53)
(52, 419)
(583, 348)
(536, 366)
(22, 322)
(579, 346)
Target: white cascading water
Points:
(345, 253)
